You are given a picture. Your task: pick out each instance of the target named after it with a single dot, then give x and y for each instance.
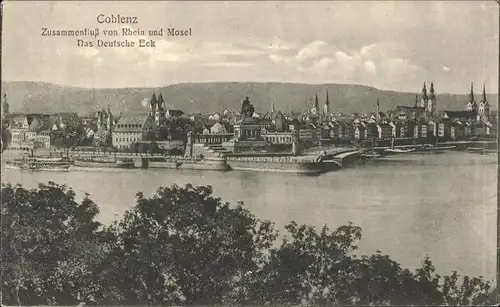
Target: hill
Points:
(215, 97)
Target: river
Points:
(440, 205)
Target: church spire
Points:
(316, 102)
(432, 90)
(327, 102)
(424, 92)
(161, 102)
(484, 93)
(471, 95)
(273, 108)
(153, 101)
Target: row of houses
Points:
(28, 131)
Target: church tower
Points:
(423, 99)
(378, 109)
(431, 101)
(326, 108)
(273, 107)
(160, 111)
(471, 105)
(152, 106)
(484, 106)
(315, 108)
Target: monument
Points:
(247, 132)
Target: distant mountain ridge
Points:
(39, 97)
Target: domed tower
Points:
(431, 101)
(423, 99)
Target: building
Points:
(132, 128)
(484, 107)
(444, 129)
(359, 132)
(30, 131)
(471, 104)
(457, 130)
(158, 111)
(371, 130)
(428, 102)
(326, 107)
(384, 131)
(410, 112)
(278, 137)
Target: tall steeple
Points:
(152, 104)
(424, 92)
(316, 102)
(161, 102)
(471, 105)
(484, 94)
(484, 106)
(432, 91)
(378, 109)
(273, 107)
(326, 107)
(471, 95)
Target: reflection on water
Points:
(442, 205)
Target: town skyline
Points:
(387, 45)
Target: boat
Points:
(398, 151)
(370, 156)
(37, 165)
(285, 164)
(103, 163)
(164, 162)
(209, 164)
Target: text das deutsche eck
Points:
(117, 43)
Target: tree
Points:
(103, 138)
(50, 243)
(70, 133)
(185, 246)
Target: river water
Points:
(440, 205)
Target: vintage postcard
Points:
(249, 153)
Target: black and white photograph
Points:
(300, 153)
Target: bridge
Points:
(339, 157)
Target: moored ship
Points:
(39, 164)
(210, 164)
(286, 164)
(103, 163)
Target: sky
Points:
(388, 45)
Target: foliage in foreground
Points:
(184, 246)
